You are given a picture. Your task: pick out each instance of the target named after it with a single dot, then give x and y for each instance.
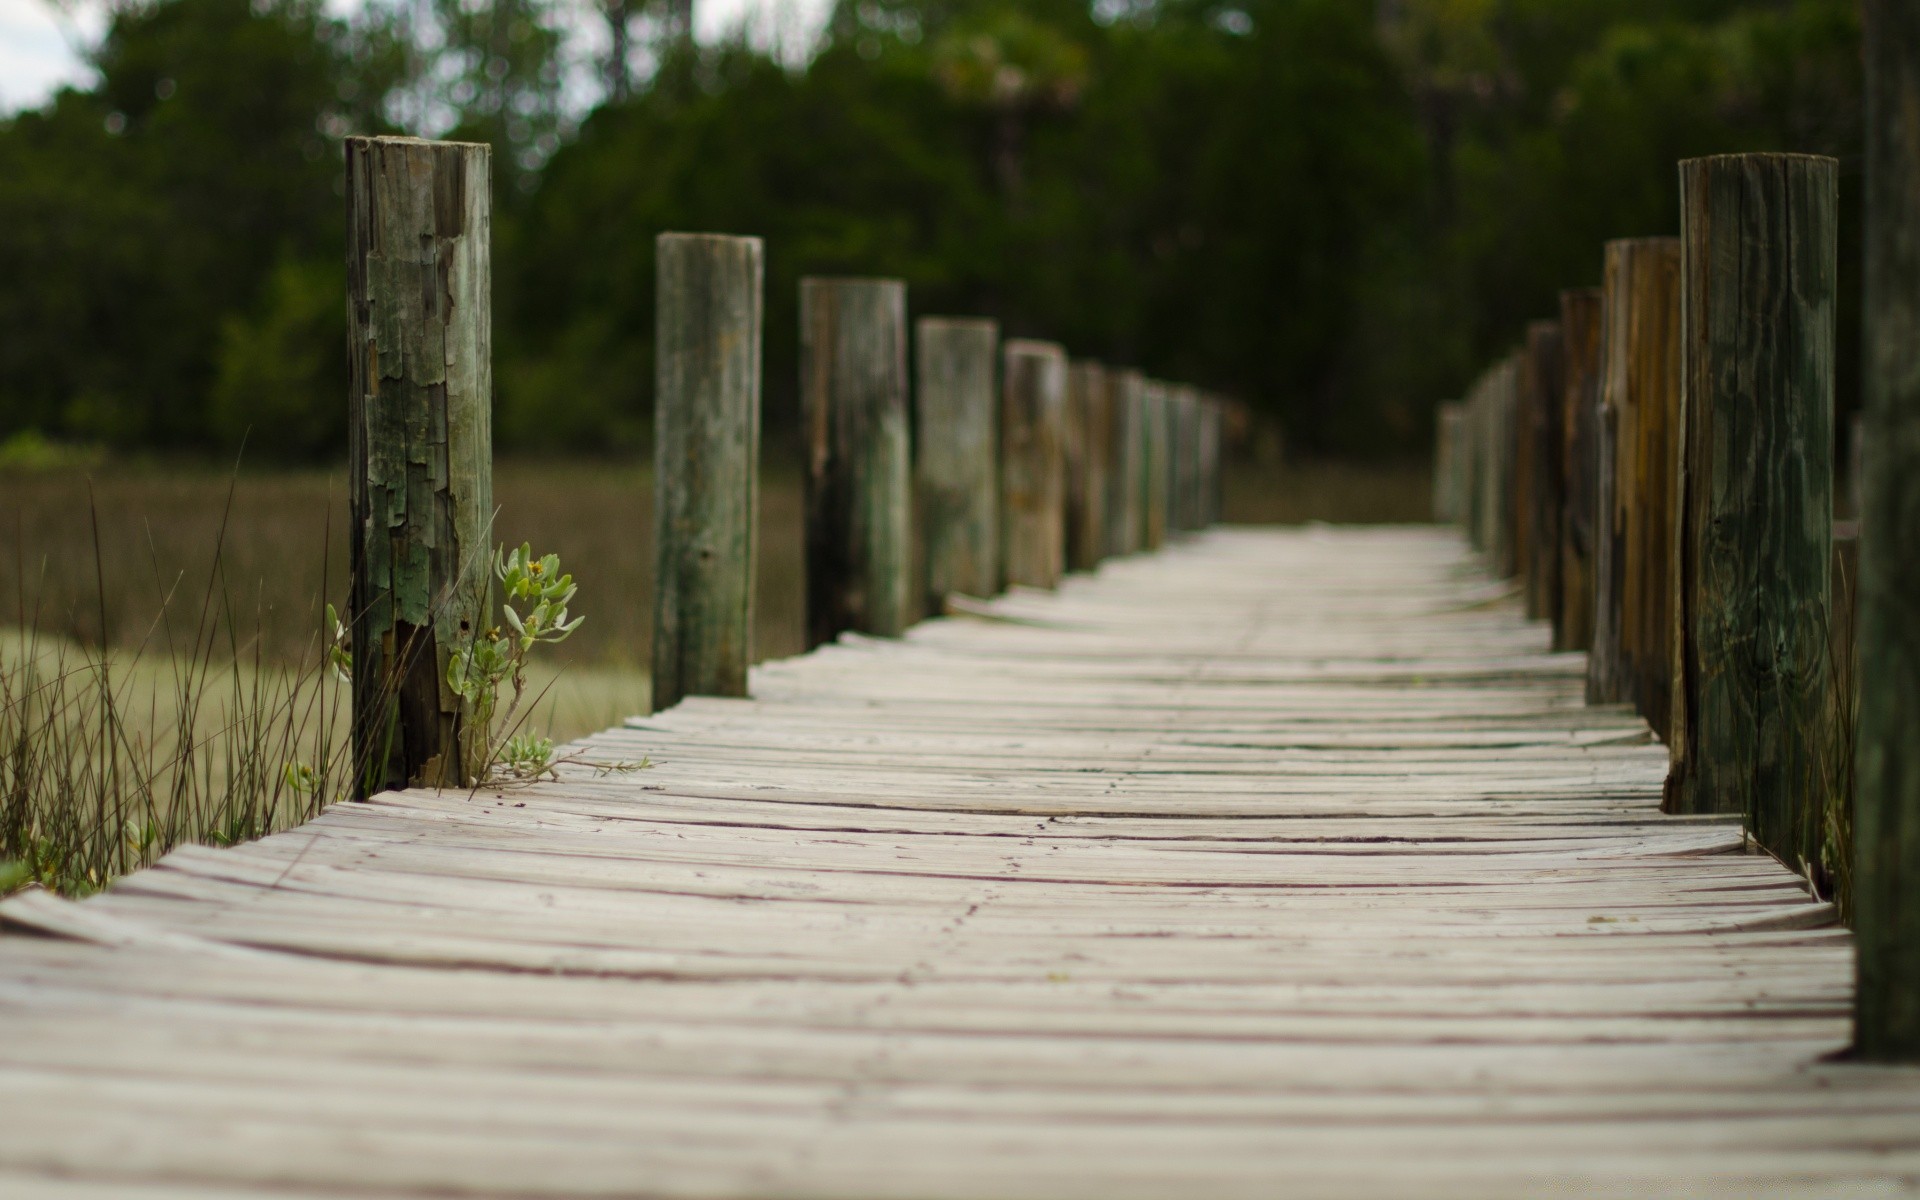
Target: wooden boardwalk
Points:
(1283, 863)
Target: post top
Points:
(386, 139)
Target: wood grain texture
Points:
(706, 462)
(1886, 835)
(1580, 323)
(853, 401)
(957, 455)
(420, 449)
(1756, 495)
(1126, 464)
(1541, 401)
(1284, 855)
(1090, 443)
(1033, 474)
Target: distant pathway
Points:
(1285, 863)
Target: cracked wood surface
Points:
(1282, 861)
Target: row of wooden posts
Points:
(1655, 467)
(1016, 465)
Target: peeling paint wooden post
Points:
(706, 458)
(1126, 467)
(420, 450)
(1756, 493)
(1153, 465)
(956, 456)
(1033, 413)
(853, 400)
(1579, 429)
(1886, 832)
(1090, 404)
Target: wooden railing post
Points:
(1886, 832)
(956, 457)
(1502, 498)
(1639, 395)
(1542, 398)
(1210, 479)
(1756, 493)
(706, 461)
(1579, 430)
(1090, 409)
(1153, 464)
(420, 450)
(1447, 453)
(1126, 467)
(853, 400)
(1033, 414)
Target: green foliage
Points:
(1333, 209)
(534, 598)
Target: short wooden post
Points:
(1126, 465)
(1542, 401)
(853, 400)
(1446, 455)
(420, 451)
(1579, 463)
(1886, 830)
(1153, 474)
(706, 461)
(1639, 384)
(1091, 411)
(1033, 485)
(1210, 416)
(1756, 494)
(1502, 499)
(956, 456)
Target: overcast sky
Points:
(37, 52)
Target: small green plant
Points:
(534, 598)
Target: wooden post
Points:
(1090, 406)
(853, 400)
(1179, 457)
(1153, 474)
(1033, 404)
(1579, 429)
(1210, 461)
(420, 451)
(1446, 457)
(1756, 494)
(1542, 400)
(957, 456)
(1886, 830)
(1639, 381)
(1126, 467)
(1501, 499)
(706, 460)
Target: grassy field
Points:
(162, 640)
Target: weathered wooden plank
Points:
(1756, 496)
(1886, 813)
(956, 456)
(706, 438)
(853, 399)
(419, 449)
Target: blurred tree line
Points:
(1336, 209)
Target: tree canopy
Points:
(1335, 210)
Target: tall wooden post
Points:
(853, 400)
(1033, 485)
(1579, 463)
(1542, 401)
(706, 459)
(420, 451)
(1639, 385)
(1886, 831)
(1090, 405)
(1126, 465)
(956, 456)
(1153, 473)
(1756, 493)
